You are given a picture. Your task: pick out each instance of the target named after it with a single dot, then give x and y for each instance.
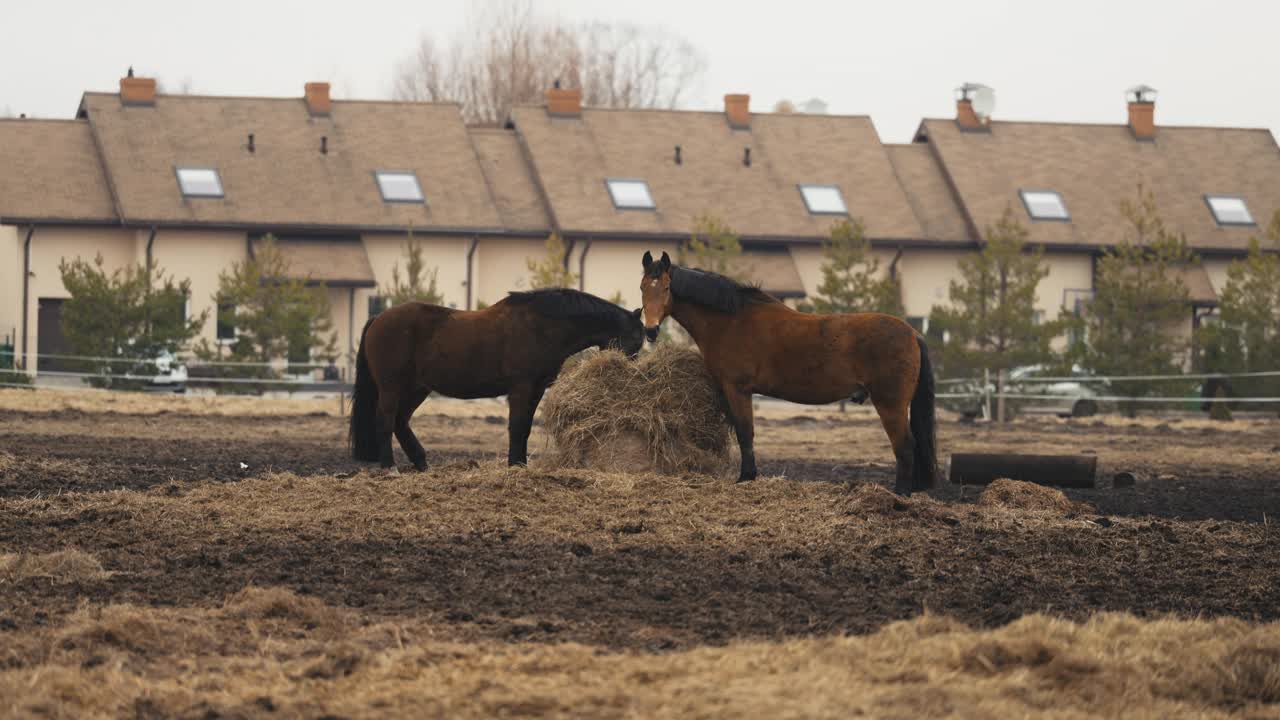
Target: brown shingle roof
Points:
(334, 262)
(573, 156)
(1094, 167)
(773, 270)
(287, 181)
(51, 171)
(511, 182)
(1199, 288)
(931, 197)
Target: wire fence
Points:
(158, 374)
(981, 390)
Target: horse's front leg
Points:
(522, 403)
(742, 417)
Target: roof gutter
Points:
(26, 294)
(471, 251)
(151, 240)
(582, 265)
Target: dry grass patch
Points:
(1021, 495)
(63, 566)
(660, 413)
(125, 660)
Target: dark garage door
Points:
(49, 337)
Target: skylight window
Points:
(824, 200)
(1229, 210)
(1045, 205)
(399, 187)
(630, 194)
(199, 182)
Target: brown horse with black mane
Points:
(514, 348)
(752, 343)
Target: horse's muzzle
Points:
(651, 333)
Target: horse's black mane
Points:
(715, 291)
(566, 303)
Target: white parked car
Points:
(1066, 398)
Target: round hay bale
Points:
(1021, 495)
(659, 413)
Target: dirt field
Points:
(233, 562)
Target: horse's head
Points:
(655, 290)
(629, 335)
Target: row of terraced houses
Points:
(191, 183)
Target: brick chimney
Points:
(969, 117)
(1142, 111)
(318, 98)
(136, 90)
(737, 110)
(566, 103)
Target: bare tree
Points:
(508, 55)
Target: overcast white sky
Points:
(1215, 63)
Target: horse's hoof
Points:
(420, 466)
(746, 478)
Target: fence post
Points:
(986, 394)
(1000, 410)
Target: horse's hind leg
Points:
(388, 405)
(893, 415)
(741, 415)
(408, 441)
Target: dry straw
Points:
(659, 413)
(1020, 495)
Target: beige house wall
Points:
(809, 260)
(926, 278)
(1067, 272)
(11, 282)
(49, 246)
(199, 256)
(448, 255)
(616, 265)
(501, 266)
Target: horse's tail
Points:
(924, 427)
(363, 434)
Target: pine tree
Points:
(713, 246)
(1133, 325)
(131, 313)
(850, 276)
(1246, 335)
(275, 315)
(418, 285)
(551, 271)
(992, 320)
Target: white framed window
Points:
(398, 186)
(630, 194)
(1229, 209)
(1045, 205)
(199, 182)
(823, 200)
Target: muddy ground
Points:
(209, 505)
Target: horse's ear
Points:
(666, 261)
(636, 313)
(648, 259)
